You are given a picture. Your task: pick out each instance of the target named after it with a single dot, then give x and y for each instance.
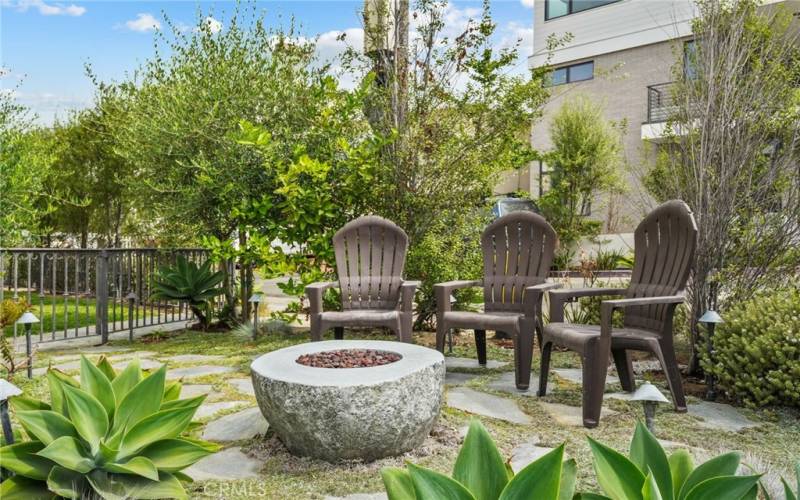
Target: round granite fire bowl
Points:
(350, 413)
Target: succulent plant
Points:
(107, 435)
(481, 474)
(187, 282)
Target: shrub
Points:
(194, 285)
(109, 436)
(757, 350)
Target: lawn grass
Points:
(772, 447)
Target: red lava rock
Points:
(348, 358)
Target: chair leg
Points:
(316, 329)
(406, 328)
(441, 334)
(595, 367)
(622, 360)
(523, 355)
(480, 345)
(544, 369)
(666, 356)
(539, 330)
(338, 332)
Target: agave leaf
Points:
(431, 484)
(172, 455)
(21, 403)
(723, 488)
(57, 379)
(590, 496)
(87, 415)
(139, 466)
(126, 380)
(184, 403)
(650, 490)
(46, 425)
(722, 465)
(172, 391)
(105, 366)
(647, 453)
(143, 400)
(569, 479)
(21, 459)
(108, 452)
(618, 476)
(70, 453)
(165, 424)
(23, 488)
(180, 476)
(680, 466)
(398, 484)
(66, 483)
(540, 479)
(96, 383)
(479, 466)
(787, 490)
(125, 486)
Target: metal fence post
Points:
(101, 306)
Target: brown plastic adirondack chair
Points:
(370, 256)
(664, 250)
(518, 251)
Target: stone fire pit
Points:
(350, 413)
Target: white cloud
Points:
(47, 9)
(213, 25)
(515, 33)
(331, 45)
(144, 22)
(527, 3)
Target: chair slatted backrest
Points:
(370, 255)
(518, 251)
(665, 242)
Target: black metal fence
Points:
(660, 102)
(84, 292)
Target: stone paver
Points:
(456, 378)
(192, 391)
(245, 424)
(506, 383)
(523, 454)
(193, 358)
(720, 416)
(197, 371)
(130, 355)
(243, 385)
(451, 362)
(575, 375)
(360, 496)
(210, 409)
(225, 465)
(571, 416)
(144, 364)
(487, 405)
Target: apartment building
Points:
(623, 53)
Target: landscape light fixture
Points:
(132, 298)
(255, 299)
(28, 319)
(7, 390)
(650, 396)
(710, 318)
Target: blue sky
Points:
(44, 44)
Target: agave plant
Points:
(647, 473)
(481, 474)
(787, 489)
(106, 436)
(187, 282)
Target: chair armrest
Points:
(607, 308)
(442, 291)
(315, 291)
(407, 291)
(559, 297)
(533, 297)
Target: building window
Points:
(571, 74)
(690, 60)
(560, 8)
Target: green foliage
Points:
(585, 163)
(481, 474)
(647, 473)
(787, 489)
(193, 284)
(757, 350)
(109, 435)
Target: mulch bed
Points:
(348, 358)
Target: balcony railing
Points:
(660, 103)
